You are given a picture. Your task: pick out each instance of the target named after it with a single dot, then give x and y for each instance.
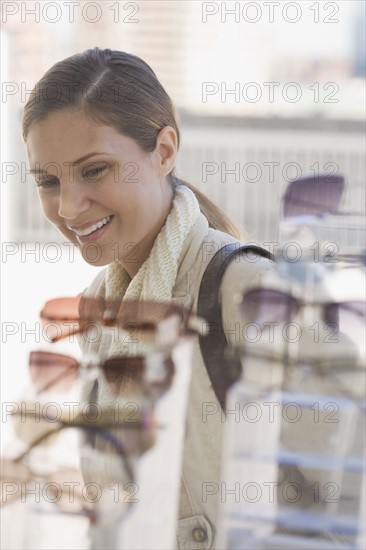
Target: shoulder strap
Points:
(223, 372)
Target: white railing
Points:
(246, 171)
(243, 170)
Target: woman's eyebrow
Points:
(85, 157)
(37, 169)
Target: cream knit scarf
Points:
(154, 281)
(157, 275)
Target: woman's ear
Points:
(166, 150)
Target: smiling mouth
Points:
(93, 228)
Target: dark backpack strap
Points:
(223, 372)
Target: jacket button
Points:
(199, 534)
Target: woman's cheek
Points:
(49, 206)
(70, 235)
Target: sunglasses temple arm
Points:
(38, 441)
(71, 333)
(110, 438)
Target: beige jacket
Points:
(201, 461)
(198, 513)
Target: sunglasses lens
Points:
(313, 195)
(92, 309)
(60, 317)
(63, 317)
(151, 375)
(61, 308)
(349, 318)
(267, 306)
(124, 374)
(52, 371)
(332, 315)
(143, 314)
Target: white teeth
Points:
(92, 228)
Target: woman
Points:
(102, 140)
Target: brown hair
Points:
(122, 91)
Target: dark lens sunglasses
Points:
(313, 195)
(270, 305)
(151, 375)
(103, 467)
(74, 315)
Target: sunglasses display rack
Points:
(294, 471)
(58, 483)
(294, 449)
(113, 450)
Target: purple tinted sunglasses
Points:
(313, 195)
(269, 305)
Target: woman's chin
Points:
(93, 254)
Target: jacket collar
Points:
(190, 256)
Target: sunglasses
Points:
(341, 375)
(101, 468)
(149, 375)
(350, 259)
(46, 426)
(313, 195)
(75, 315)
(271, 305)
(19, 473)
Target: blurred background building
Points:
(240, 151)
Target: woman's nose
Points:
(73, 200)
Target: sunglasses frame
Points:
(84, 366)
(190, 323)
(291, 367)
(289, 199)
(90, 513)
(300, 304)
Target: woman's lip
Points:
(92, 237)
(86, 225)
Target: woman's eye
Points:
(95, 172)
(46, 183)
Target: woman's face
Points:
(99, 188)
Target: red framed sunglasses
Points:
(150, 375)
(74, 315)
